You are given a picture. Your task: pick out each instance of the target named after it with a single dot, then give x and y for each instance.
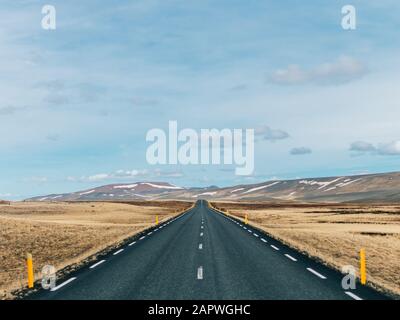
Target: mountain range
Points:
(383, 187)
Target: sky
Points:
(76, 102)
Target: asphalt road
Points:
(205, 255)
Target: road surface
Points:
(204, 255)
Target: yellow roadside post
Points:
(363, 267)
(246, 220)
(157, 220)
(29, 264)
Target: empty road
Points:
(204, 255)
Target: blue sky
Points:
(77, 102)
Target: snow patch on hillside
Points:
(87, 192)
(321, 185)
(205, 194)
(260, 188)
(160, 186)
(126, 186)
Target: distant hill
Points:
(361, 188)
(126, 191)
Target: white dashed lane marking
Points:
(273, 247)
(96, 264)
(132, 243)
(316, 273)
(255, 234)
(351, 294)
(263, 240)
(201, 234)
(200, 273)
(200, 246)
(117, 252)
(141, 238)
(290, 257)
(63, 284)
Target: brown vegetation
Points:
(62, 234)
(334, 234)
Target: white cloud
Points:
(126, 175)
(266, 133)
(390, 149)
(344, 69)
(5, 111)
(293, 74)
(5, 195)
(362, 146)
(385, 149)
(300, 151)
(129, 173)
(98, 177)
(168, 174)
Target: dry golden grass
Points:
(334, 234)
(63, 234)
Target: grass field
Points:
(63, 234)
(334, 234)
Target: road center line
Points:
(96, 264)
(276, 248)
(117, 252)
(200, 273)
(351, 294)
(63, 284)
(316, 273)
(290, 257)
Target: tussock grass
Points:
(62, 234)
(334, 234)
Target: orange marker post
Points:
(29, 264)
(363, 267)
